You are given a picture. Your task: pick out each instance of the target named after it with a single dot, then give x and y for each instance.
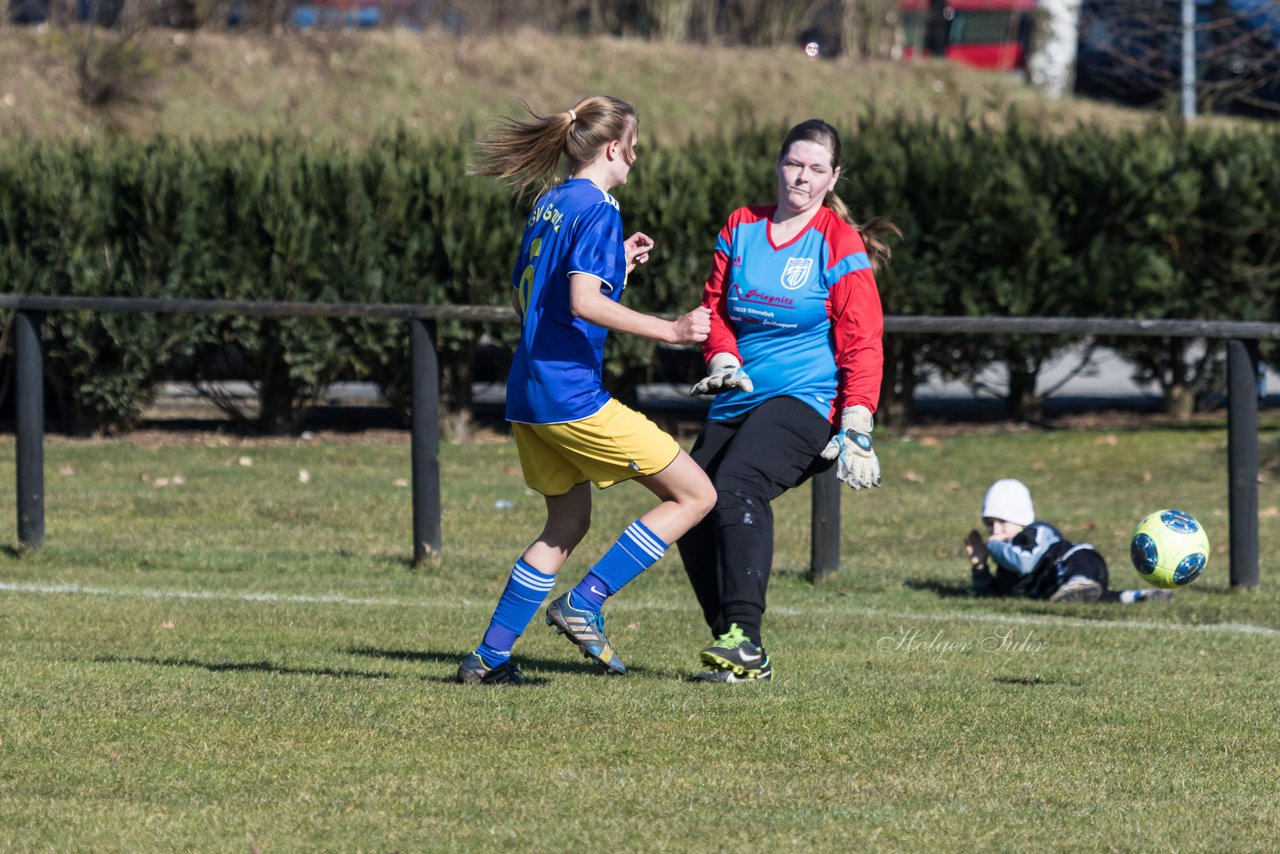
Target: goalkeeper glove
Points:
(724, 372)
(857, 466)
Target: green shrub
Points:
(1006, 220)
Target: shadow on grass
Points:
(1033, 681)
(945, 589)
(1101, 612)
(17, 552)
(245, 667)
(452, 658)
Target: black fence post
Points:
(824, 548)
(425, 379)
(1244, 388)
(29, 428)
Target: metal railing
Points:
(1244, 390)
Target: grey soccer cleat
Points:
(1078, 589)
(586, 629)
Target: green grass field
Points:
(244, 661)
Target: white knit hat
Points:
(1010, 500)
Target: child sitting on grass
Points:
(1033, 559)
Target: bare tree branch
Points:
(1134, 48)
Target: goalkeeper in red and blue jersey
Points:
(795, 360)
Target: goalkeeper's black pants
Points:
(751, 460)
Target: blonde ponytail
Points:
(528, 152)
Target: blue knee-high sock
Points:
(525, 590)
(635, 551)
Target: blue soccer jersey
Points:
(804, 317)
(556, 375)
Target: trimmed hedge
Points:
(1004, 221)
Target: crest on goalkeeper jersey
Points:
(795, 274)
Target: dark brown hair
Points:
(875, 231)
(528, 152)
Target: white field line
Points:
(337, 599)
(212, 595)
(1043, 620)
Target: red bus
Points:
(983, 33)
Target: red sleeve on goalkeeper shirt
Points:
(714, 295)
(857, 326)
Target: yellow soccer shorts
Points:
(615, 444)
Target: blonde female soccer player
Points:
(568, 280)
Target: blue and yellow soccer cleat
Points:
(586, 629)
(473, 671)
(734, 653)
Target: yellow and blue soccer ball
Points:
(1169, 548)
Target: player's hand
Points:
(724, 372)
(976, 548)
(638, 246)
(857, 466)
(694, 327)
